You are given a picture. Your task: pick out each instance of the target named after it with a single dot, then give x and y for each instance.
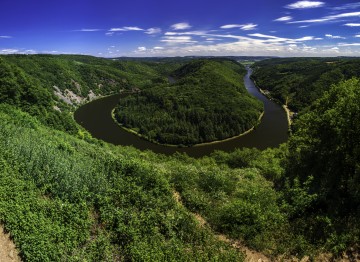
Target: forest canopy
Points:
(298, 82)
(207, 102)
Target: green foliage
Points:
(41, 84)
(64, 199)
(325, 147)
(269, 162)
(326, 143)
(237, 202)
(208, 102)
(298, 82)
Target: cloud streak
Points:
(334, 36)
(328, 18)
(88, 30)
(283, 19)
(347, 6)
(352, 24)
(180, 26)
(126, 28)
(153, 31)
(177, 40)
(245, 27)
(305, 5)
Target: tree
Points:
(326, 145)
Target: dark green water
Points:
(272, 131)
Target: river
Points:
(272, 131)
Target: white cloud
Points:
(266, 36)
(180, 26)
(177, 39)
(283, 19)
(197, 33)
(88, 30)
(158, 48)
(153, 31)
(5, 36)
(329, 18)
(212, 39)
(141, 49)
(253, 44)
(275, 39)
(249, 26)
(305, 38)
(9, 51)
(109, 33)
(334, 36)
(305, 5)
(352, 24)
(347, 44)
(347, 6)
(357, 36)
(126, 28)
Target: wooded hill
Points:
(207, 102)
(298, 82)
(50, 87)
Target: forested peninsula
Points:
(66, 196)
(208, 102)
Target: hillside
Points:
(298, 82)
(51, 87)
(208, 102)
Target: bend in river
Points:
(272, 131)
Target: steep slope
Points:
(65, 199)
(50, 87)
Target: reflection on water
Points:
(272, 131)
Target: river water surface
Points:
(272, 131)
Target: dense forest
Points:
(298, 82)
(65, 196)
(207, 102)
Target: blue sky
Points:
(111, 28)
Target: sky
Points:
(142, 28)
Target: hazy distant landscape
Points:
(184, 131)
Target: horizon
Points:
(141, 28)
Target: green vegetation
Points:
(65, 196)
(298, 82)
(325, 147)
(50, 87)
(64, 199)
(208, 102)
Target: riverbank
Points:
(183, 146)
(289, 113)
